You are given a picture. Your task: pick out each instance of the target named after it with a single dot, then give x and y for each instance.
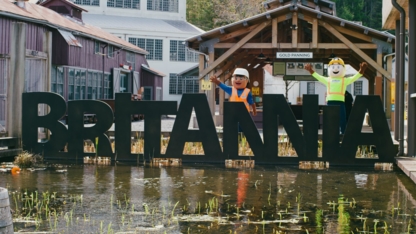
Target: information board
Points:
(298, 68)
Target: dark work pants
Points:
(342, 114)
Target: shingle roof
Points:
(152, 70)
(283, 10)
(67, 2)
(142, 24)
(39, 14)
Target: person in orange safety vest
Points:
(238, 92)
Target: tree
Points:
(216, 13)
(288, 85)
(200, 13)
(366, 11)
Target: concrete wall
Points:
(276, 85)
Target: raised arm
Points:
(308, 67)
(253, 106)
(214, 80)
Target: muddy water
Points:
(210, 199)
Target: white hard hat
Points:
(241, 71)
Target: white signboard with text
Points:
(294, 55)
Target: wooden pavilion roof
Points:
(294, 26)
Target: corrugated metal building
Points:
(62, 54)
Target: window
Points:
(183, 84)
(94, 85)
(77, 85)
(108, 94)
(178, 52)
(133, 4)
(71, 77)
(131, 58)
(310, 88)
(159, 94)
(83, 84)
(88, 2)
(358, 88)
(162, 5)
(99, 85)
(89, 85)
(60, 81)
(110, 52)
(123, 83)
(147, 93)
(97, 47)
(53, 79)
(153, 46)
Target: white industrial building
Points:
(158, 26)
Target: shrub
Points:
(26, 160)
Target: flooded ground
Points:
(210, 199)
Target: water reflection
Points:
(213, 199)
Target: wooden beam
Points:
(201, 68)
(211, 93)
(379, 61)
(248, 60)
(274, 33)
(238, 33)
(238, 59)
(295, 31)
(343, 46)
(233, 49)
(314, 33)
(352, 33)
(300, 46)
(353, 47)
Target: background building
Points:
(48, 47)
(159, 27)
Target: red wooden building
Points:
(47, 47)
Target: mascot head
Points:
(336, 68)
(240, 78)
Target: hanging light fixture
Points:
(268, 61)
(261, 55)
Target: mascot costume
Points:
(336, 85)
(238, 92)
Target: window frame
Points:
(310, 86)
(85, 2)
(358, 86)
(110, 51)
(151, 45)
(125, 4)
(149, 88)
(97, 46)
(163, 5)
(179, 52)
(179, 85)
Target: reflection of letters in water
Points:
(276, 111)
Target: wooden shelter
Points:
(292, 26)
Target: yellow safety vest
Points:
(243, 98)
(336, 89)
(336, 86)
